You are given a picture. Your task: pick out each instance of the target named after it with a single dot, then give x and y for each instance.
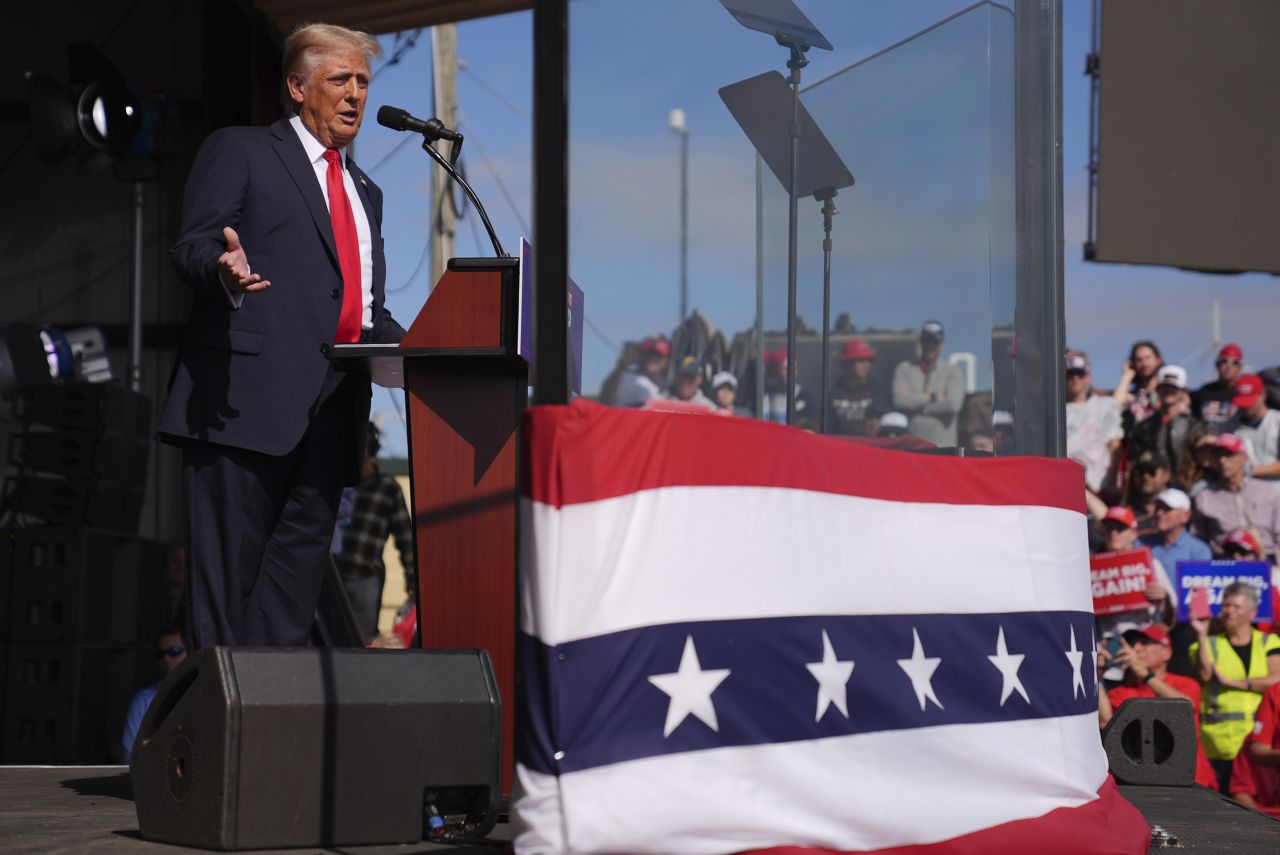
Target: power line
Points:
(422, 259)
(650, 222)
(405, 42)
(506, 194)
(600, 334)
(515, 210)
(462, 66)
(408, 138)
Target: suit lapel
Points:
(294, 157)
(362, 190)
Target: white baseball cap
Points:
(1172, 375)
(724, 378)
(1174, 500)
(893, 420)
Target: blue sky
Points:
(920, 128)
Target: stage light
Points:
(31, 357)
(78, 355)
(97, 110)
(109, 117)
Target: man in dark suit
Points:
(281, 241)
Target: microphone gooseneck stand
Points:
(447, 166)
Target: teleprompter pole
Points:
(795, 63)
(828, 211)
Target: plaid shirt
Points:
(378, 512)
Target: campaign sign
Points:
(1214, 576)
(524, 324)
(1120, 580)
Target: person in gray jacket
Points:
(929, 391)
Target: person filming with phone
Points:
(1236, 667)
(1144, 655)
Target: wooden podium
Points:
(466, 385)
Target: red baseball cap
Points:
(1122, 514)
(1231, 351)
(1154, 634)
(1230, 443)
(656, 345)
(1247, 388)
(856, 348)
(775, 357)
(1243, 539)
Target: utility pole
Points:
(444, 73)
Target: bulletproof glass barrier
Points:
(670, 146)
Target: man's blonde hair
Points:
(308, 41)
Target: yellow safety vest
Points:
(1226, 715)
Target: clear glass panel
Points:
(917, 101)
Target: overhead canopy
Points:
(382, 16)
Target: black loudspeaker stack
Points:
(1152, 741)
(248, 748)
(77, 627)
(81, 456)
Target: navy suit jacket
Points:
(253, 377)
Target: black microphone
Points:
(400, 120)
(433, 129)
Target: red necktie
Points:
(344, 232)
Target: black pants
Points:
(1222, 769)
(259, 529)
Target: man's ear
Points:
(295, 83)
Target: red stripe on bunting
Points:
(1107, 826)
(586, 452)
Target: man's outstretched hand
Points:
(233, 268)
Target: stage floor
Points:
(78, 809)
(69, 809)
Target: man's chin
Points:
(343, 134)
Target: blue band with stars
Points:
(592, 702)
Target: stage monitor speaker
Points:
(1152, 742)
(247, 748)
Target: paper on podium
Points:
(385, 361)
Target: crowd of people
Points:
(924, 398)
(1192, 475)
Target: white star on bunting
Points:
(1076, 657)
(1093, 663)
(920, 669)
(832, 676)
(1008, 665)
(690, 690)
